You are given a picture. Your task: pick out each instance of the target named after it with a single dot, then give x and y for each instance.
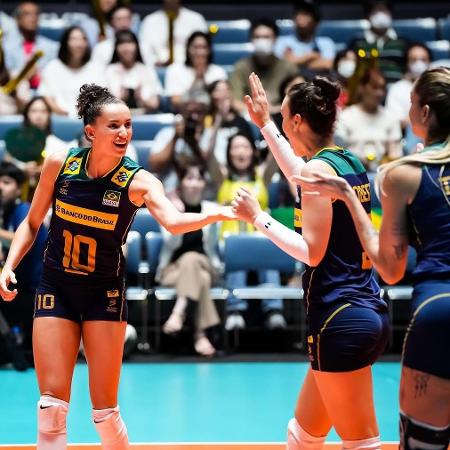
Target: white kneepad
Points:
(299, 439)
(111, 428)
(372, 443)
(52, 431)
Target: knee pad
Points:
(111, 428)
(372, 443)
(299, 439)
(52, 432)
(415, 435)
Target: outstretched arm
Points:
(145, 188)
(258, 109)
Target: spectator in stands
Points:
(190, 262)
(366, 128)
(305, 48)
(196, 72)
(344, 66)
(223, 121)
(173, 147)
(121, 19)
(8, 25)
(11, 102)
(398, 99)
(63, 76)
(163, 34)
(129, 79)
(382, 38)
(20, 47)
(12, 212)
(271, 69)
(243, 169)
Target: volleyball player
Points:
(94, 194)
(415, 196)
(347, 320)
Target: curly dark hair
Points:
(91, 100)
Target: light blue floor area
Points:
(219, 402)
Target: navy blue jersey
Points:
(429, 216)
(345, 272)
(91, 218)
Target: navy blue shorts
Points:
(427, 340)
(346, 337)
(78, 299)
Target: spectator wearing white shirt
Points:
(63, 77)
(366, 128)
(155, 33)
(129, 79)
(197, 72)
(305, 48)
(121, 18)
(398, 100)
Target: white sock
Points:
(372, 443)
(111, 428)
(299, 439)
(52, 431)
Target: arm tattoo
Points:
(421, 384)
(399, 250)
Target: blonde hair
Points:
(433, 89)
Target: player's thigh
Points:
(425, 397)
(55, 347)
(310, 411)
(103, 346)
(348, 399)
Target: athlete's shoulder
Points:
(315, 165)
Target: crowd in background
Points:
(164, 62)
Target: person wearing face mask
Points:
(418, 59)
(271, 69)
(344, 66)
(382, 38)
(305, 49)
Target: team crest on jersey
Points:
(72, 166)
(64, 189)
(111, 198)
(112, 293)
(121, 177)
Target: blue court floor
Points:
(189, 402)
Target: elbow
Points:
(173, 227)
(391, 276)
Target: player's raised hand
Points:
(257, 104)
(7, 276)
(324, 185)
(245, 205)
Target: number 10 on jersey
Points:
(72, 250)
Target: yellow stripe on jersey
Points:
(73, 166)
(122, 176)
(298, 218)
(85, 216)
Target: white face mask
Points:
(263, 46)
(380, 20)
(346, 68)
(417, 68)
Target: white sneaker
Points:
(235, 321)
(275, 321)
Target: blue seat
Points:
(146, 127)
(143, 150)
(417, 30)
(143, 222)
(133, 254)
(8, 122)
(229, 54)
(153, 245)
(439, 49)
(229, 31)
(2, 150)
(67, 128)
(253, 251)
(53, 32)
(444, 28)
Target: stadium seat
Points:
(228, 54)
(67, 128)
(439, 49)
(143, 150)
(229, 31)
(444, 28)
(341, 31)
(52, 29)
(2, 150)
(146, 127)
(416, 30)
(143, 222)
(9, 121)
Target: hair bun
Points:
(330, 90)
(89, 95)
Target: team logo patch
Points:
(72, 166)
(111, 198)
(64, 189)
(112, 306)
(113, 293)
(122, 176)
